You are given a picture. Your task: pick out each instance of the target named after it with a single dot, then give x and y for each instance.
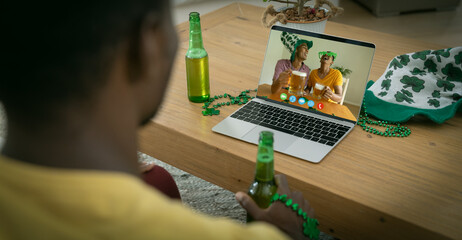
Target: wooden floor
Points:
(442, 27)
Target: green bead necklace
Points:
(242, 98)
(392, 129)
(310, 225)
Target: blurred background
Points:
(435, 21)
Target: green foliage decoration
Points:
(343, 70)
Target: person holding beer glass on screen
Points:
(299, 49)
(325, 81)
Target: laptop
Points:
(305, 125)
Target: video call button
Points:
(292, 99)
(283, 96)
(310, 103)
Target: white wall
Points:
(350, 56)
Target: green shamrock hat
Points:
(292, 41)
(427, 83)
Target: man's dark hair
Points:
(56, 52)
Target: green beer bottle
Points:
(197, 63)
(264, 185)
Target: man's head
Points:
(293, 43)
(302, 52)
(56, 57)
(327, 57)
(301, 49)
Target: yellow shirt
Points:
(48, 203)
(333, 78)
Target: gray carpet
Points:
(201, 195)
(196, 193)
(206, 197)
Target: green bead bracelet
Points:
(310, 225)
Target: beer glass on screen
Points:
(318, 90)
(297, 83)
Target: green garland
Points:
(310, 225)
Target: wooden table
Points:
(330, 108)
(368, 187)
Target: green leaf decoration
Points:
(436, 94)
(453, 73)
(404, 59)
(406, 92)
(430, 65)
(389, 73)
(433, 102)
(458, 58)
(400, 97)
(421, 55)
(456, 97)
(382, 94)
(446, 85)
(441, 53)
(417, 71)
(395, 64)
(414, 82)
(386, 84)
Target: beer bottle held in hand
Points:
(264, 185)
(197, 63)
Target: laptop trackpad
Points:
(281, 140)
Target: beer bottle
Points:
(264, 185)
(197, 63)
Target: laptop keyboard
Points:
(290, 122)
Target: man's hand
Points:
(278, 214)
(329, 94)
(283, 79)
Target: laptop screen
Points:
(323, 74)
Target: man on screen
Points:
(299, 49)
(325, 79)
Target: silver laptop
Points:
(305, 123)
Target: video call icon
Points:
(310, 103)
(301, 101)
(292, 99)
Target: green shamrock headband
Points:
(328, 53)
